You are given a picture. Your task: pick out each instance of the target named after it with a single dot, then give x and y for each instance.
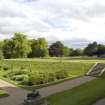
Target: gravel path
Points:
(47, 91)
(100, 102)
(17, 94)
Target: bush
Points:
(1, 67)
(51, 77)
(12, 74)
(26, 81)
(22, 67)
(20, 77)
(62, 74)
(19, 72)
(6, 67)
(38, 78)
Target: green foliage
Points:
(17, 47)
(66, 51)
(38, 78)
(1, 51)
(61, 74)
(56, 49)
(42, 72)
(10, 74)
(85, 94)
(6, 67)
(91, 49)
(76, 52)
(39, 48)
(8, 48)
(101, 50)
(21, 77)
(3, 94)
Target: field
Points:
(41, 71)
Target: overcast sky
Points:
(75, 22)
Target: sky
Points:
(74, 22)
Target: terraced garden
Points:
(30, 72)
(41, 72)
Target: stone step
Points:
(97, 69)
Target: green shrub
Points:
(1, 67)
(38, 78)
(13, 73)
(6, 67)
(41, 72)
(62, 74)
(19, 77)
(19, 72)
(51, 77)
(22, 67)
(26, 81)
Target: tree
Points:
(56, 49)
(8, 46)
(22, 46)
(1, 50)
(39, 47)
(91, 49)
(66, 51)
(100, 50)
(17, 47)
(76, 52)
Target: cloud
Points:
(83, 20)
(17, 17)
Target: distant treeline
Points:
(19, 46)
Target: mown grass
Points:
(3, 94)
(85, 94)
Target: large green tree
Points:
(39, 47)
(76, 52)
(56, 49)
(66, 51)
(91, 49)
(101, 50)
(17, 47)
(1, 50)
(8, 48)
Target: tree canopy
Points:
(56, 49)
(91, 49)
(39, 47)
(17, 47)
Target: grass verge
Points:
(3, 94)
(85, 94)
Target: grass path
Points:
(17, 95)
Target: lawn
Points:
(3, 93)
(85, 94)
(37, 72)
